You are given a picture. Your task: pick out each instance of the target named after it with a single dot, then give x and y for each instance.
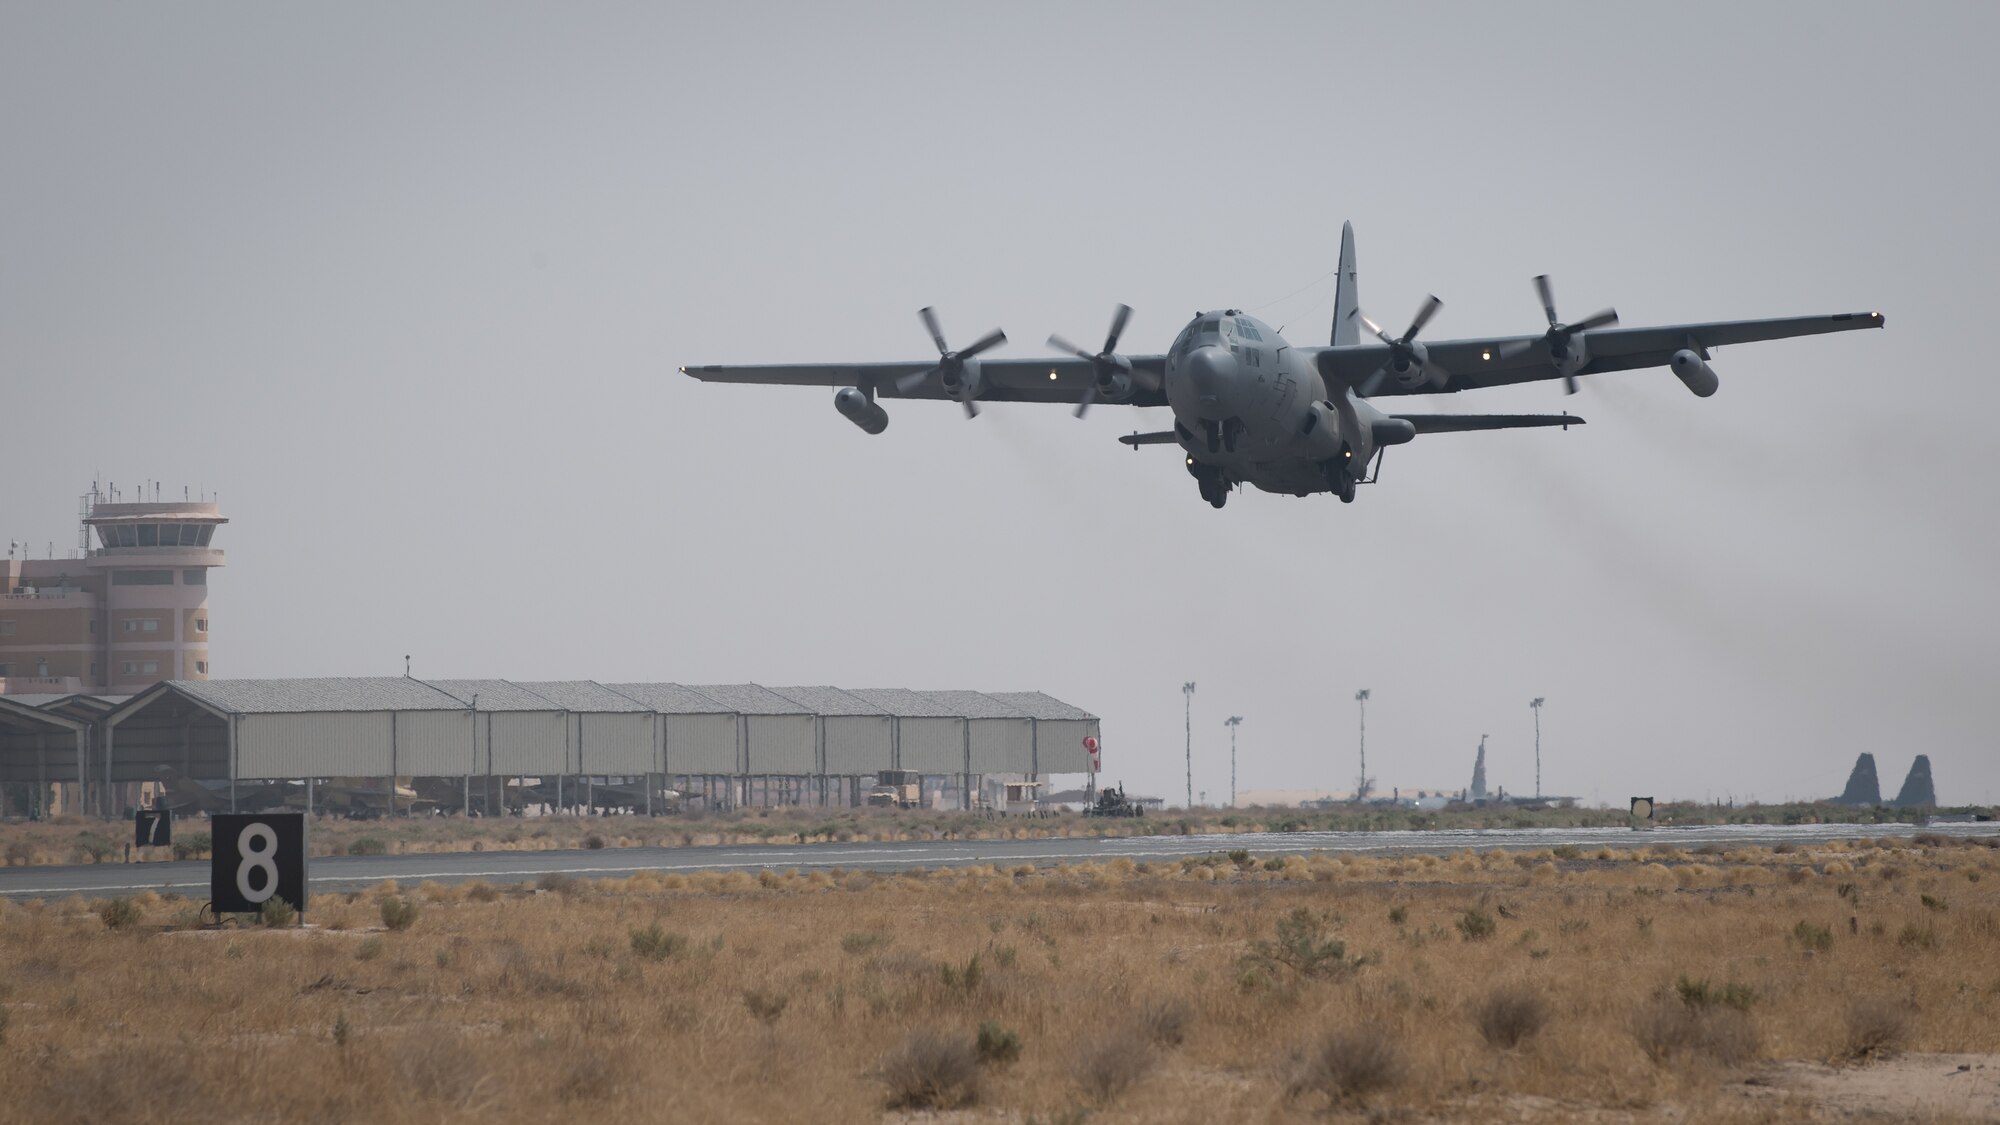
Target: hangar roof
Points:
(1042, 706)
(752, 699)
(581, 695)
(671, 699)
(494, 695)
(16, 714)
(829, 701)
(978, 705)
(278, 697)
(907, 704)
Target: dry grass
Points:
(932, 1070)
(1510, 1016)
(1121, 988)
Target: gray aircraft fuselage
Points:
(1258, 410)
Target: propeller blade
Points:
(1514, 348)
(1376, 329)
(1062, 345)
(1374, 382)
(1569, 384)
(1596, 320)
(911, 382)
(971, 410)
(1424, 316)
(990, 340)
(931, 322)
(1089, 396)
(1119, 316)
(1548, 297)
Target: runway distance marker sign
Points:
(257, 857)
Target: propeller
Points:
(1404, 352)
(1107, 364)
(1557, 338)
(950, 369)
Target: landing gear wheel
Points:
(1215, 492)
(1346, 492)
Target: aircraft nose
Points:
(1210, 372)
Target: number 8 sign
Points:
(258, 857)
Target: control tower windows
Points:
(195, 577)
(201, 624)
(156, 534)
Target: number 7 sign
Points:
(258, 857)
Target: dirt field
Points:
(1838, 983)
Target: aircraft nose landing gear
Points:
(1214, 489)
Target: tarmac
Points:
(340, 873)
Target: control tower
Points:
(129, 609)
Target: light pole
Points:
(1361, 784)
(1232, 722)
(1535, 705)
(1187, 692)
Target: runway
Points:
(336, 873)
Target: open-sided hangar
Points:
(732, 744)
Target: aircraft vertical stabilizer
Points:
(1346, 295)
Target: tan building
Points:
(129, 611)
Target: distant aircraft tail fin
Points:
(1346, 296)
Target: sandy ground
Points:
(1912, 1087)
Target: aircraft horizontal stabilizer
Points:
(1454, 423)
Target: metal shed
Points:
(37, 749)
(610, 735)
(999, 736)
(1059, 730)
(929, 736)
(856, 737)
(515, 731)
(698, 736)
(779, 737)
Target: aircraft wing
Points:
(1477, 363)
(1055, 379)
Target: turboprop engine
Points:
(1695, 372)
(855, 405)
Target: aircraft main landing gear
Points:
(1215, 492)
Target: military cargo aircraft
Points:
(1250, 408)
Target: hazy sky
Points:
(408, 285)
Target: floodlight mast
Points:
(1187, 693)
(1535, 705)
(1232, 722)
(1361, 783)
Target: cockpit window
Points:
(1248, 331)
(1211, 326)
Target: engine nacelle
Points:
(1411, 370)
(1695, 372)
(1114, 386)
(855, 405)
(960, 380)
